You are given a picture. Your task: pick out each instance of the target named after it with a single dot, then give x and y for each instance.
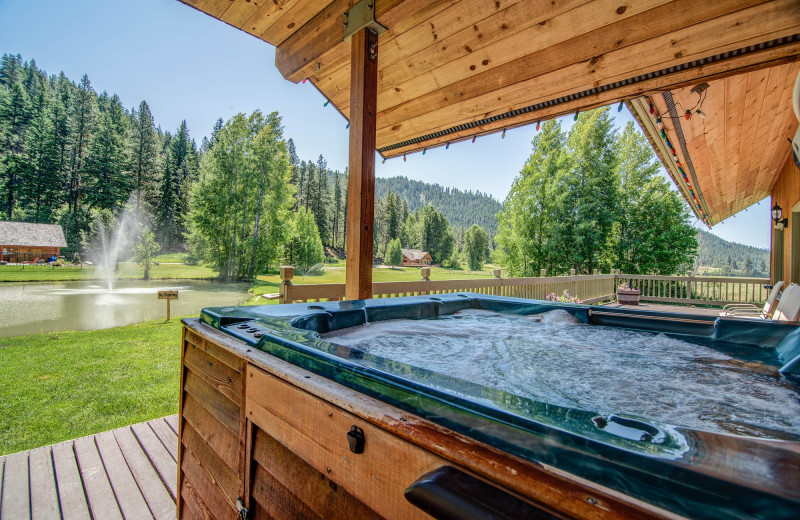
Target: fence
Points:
(703, 290)
(590, 288)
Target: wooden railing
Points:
(702, 290)
(590, 288)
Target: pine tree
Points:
(41, 187)
(15, 114)
(144, 157)
(83, 115)
(337, 207)
(321, 200)
(106, 177)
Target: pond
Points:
(48, 307)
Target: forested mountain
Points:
(718, 256)
(461, 208)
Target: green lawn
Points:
(60, 386)
(64, 385)
(127, 271)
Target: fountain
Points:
(116, 244)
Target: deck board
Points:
(129, 472)
(16, 499)
(165, 434)
(44, 498)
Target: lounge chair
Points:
(788, 308)
(749, 310)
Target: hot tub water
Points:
(556, 359)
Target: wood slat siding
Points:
(589, 288)
(786, 194)
(211, 428)
(285, 485)
(108, 475)
(299, 464)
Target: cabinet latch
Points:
(355, 438)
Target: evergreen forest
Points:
(243, 201)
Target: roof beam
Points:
(321, 39)
(689, 77)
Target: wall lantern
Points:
(777, 213)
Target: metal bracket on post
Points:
(360, 16)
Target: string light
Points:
(326, 103)
(503, 135)
(537, 125)
(424, 150)
(404, 157)
(348, 125)
(659, 123)
(305, 79)
(652, 108)
(474, 137)
(383, 161)
(619, 108)
(447, 146)
(688, 115)
(576, 115)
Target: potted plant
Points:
(626, 295)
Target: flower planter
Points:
(628, 296)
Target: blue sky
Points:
(187, 65)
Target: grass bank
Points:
(127, 271)
(64, 385)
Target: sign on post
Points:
(168, 295)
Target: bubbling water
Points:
(555, 359)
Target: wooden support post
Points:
(425, 273)
(542, 272)
(361, 185)
(287, 273)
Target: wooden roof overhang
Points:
(450, 70)
(730, 159)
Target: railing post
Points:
(425, 273)
(498, 274)
(572, 272)
(287, 273)
(542, 272)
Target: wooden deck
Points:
(688, 309)
(129, 472)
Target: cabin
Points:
(23, 242)
(415, 258)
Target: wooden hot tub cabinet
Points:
(258, 428)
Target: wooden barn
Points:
(26, 242)
(415, 258)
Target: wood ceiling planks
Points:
(738, 150)
(446, 63)
(554, 70)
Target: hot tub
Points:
(297, 405)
